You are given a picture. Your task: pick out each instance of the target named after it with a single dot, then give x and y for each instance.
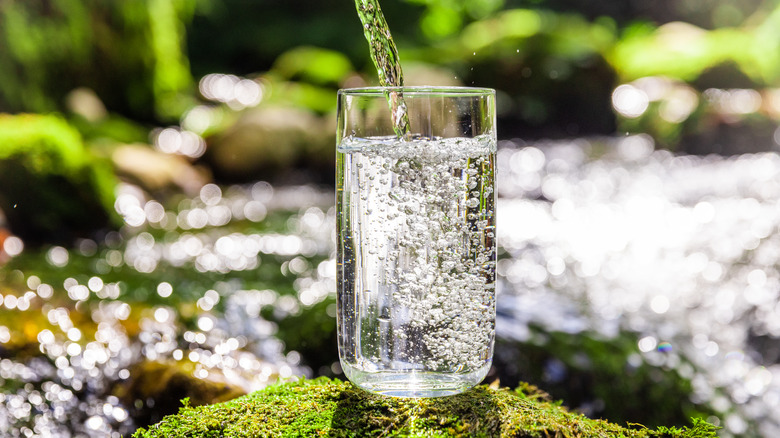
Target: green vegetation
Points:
(684, 51)
(52, 189)
(323, 407)
(555, 62)
(49, 48)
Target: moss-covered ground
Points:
(332, 408)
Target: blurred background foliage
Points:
(171, 95)
(555, 63)
(54, 47)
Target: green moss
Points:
(52, 189)
(44, 143)
(323, 407)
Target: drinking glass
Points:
(416, 242)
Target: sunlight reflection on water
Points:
(67, 390)
(680, 251)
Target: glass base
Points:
(414, 384)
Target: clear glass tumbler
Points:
(416, 239)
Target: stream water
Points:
(678, 252)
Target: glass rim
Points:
(457, 91)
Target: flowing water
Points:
(385, 57)
(693, 239)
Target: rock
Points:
(52, 190)
(157, 171)
(266, 142)
(155, 388)
(85, 103)
(323, 407)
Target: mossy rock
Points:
(52, 190)
(167, 382)
(323, 407)
(267, 141)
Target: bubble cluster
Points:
(418, 254)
